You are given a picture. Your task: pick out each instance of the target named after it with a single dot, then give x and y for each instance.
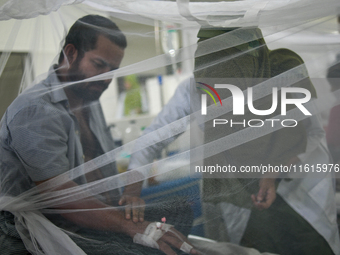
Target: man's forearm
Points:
(92, 213)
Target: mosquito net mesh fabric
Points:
(169, 127)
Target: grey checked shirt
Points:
(39, 137)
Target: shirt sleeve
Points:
(315, 134)
(38, 136)
(157, 134)
(314, 131)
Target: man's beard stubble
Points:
(81, 89)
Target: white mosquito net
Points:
(217, 132)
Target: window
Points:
(15, 75)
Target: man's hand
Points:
(131, 198)
(171, 238)
(133, 204)
(266, 195)
(174, 239)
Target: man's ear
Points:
(71, 53)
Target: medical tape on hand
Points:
(186, 247)
(153, 232)
(145, 240)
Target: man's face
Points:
(106, 57)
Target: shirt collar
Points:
(57, 92)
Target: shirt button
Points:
(83, 156)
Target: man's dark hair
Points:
(85, 31)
